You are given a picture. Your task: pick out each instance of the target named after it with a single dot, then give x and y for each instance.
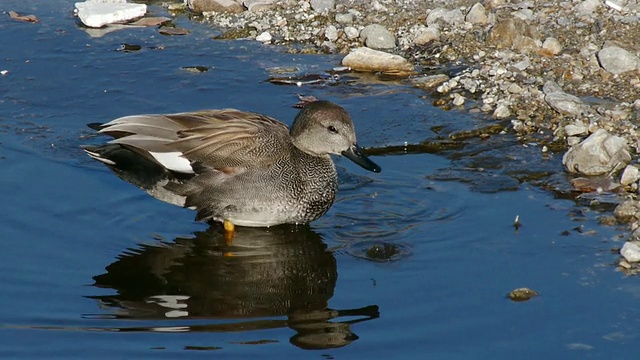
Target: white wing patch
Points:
(173, 161)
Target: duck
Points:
(232, 166)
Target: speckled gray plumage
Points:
(240, 166)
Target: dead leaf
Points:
(26, 18)
(150, 21)
(167, 30)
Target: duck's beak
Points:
(355, 154)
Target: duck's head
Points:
(323, 128)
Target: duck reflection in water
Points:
(281, 271)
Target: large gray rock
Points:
(98, 13)
(365, 59)
(228, 6)
(377, 37)
(599, 154)
(617, 60)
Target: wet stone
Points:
(429, 81)
(522, 294)
(598, 154)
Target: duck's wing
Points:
(226, 140)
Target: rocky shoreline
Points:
(565, 74)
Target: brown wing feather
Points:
(229, 138)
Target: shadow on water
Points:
(283, 271)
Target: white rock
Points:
(562, 102)
(264, 37)
(631, 251)
(630, 175)
(458, 100)
(366, 59)
(323, 5)
(99, 13)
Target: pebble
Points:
(221, 6)
(617, 60)
(587, 7)
(522, 65)
(630, 175)
(259, 5)
(552, 45)
(477, 14)
(351, 32)
(346, 18)
(97, 14)
(631, 251)
(575, 129)
(599, 154)
(331, 33)
(514, 88)
(377, 37)
(450, 17)
(502, 112)
(366, 59)
(431, 33)
(458, 100)
(323, 5)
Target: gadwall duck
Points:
(233, 166)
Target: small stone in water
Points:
(128, 47)
(196, 69)
(522, 294)
(631, 251)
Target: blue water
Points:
(91, 267)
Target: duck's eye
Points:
(332, 129)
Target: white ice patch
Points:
(173, 161)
